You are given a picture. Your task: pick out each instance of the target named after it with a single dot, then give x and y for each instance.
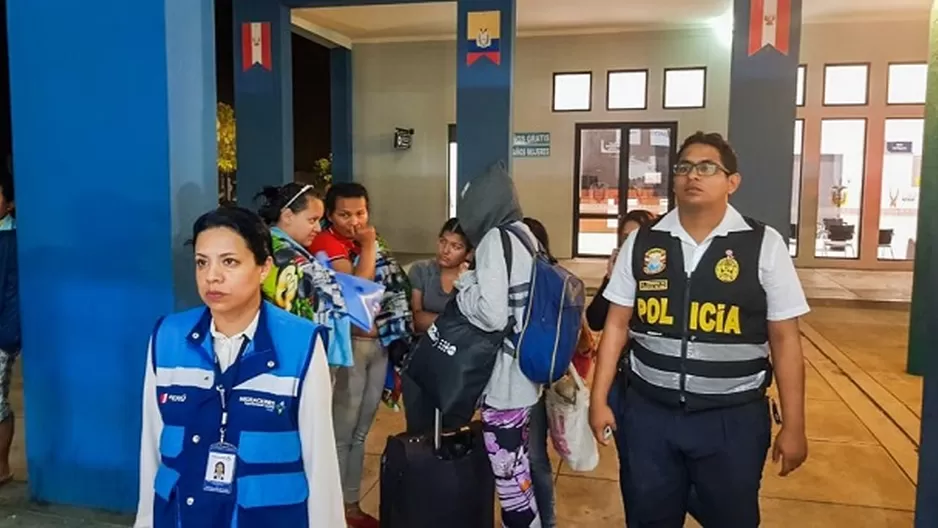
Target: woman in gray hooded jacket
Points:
(489, 296)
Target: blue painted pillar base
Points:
(263, 96)
(763, 84)
(341, 90)
(485, 49)
(110, 172)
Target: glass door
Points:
(614, 177)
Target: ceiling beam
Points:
(354, 3)
(319, 34)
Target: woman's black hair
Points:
(243, 222)
(642, 217)
(344, 190)
(452, 226)
(6, 186)
(540, 233)
(290, 196)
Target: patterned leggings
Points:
(506, 440)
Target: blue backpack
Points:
(552, 316)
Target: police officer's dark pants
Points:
(617, 404)
(720, 453)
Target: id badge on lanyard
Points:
(223, 456)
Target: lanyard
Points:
(223, 393)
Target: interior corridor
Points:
(863, 424)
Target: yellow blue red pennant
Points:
(484, 34)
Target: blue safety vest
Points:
(262, 390)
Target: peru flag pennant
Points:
(769, 25)
(255, 46)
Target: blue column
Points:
(923, 319)
(763, 83)
(114, 155)
(341, 78)
(263, 96)
(485, 44)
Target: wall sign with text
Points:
(899, 147)
(531, 145)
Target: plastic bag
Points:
(568, 420)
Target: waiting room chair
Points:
(884, 245)
(838, 239)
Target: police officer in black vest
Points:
(707, 303)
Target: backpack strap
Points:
(506, 248)
(523, 238)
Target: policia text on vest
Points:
(699, 341)
(706, 317)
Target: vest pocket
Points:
(165, 503)
(273, 500)
(165, 482)
(257, 447)
(171, 440)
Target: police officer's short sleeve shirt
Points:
(784, 294)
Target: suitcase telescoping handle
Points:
(437, 430)
(438, 433)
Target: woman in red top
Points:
(350, 245)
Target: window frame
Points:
(797, 197)
(664, 88)
(609, 74)
(804, 86)
(866, 101)
(863, 185)
(889, 66)
(553, 92)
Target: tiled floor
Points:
(850, 480)
(860, 472)
(836, 287)
(870, 288)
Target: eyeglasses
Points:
(703, 168)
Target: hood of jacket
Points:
(488, 201)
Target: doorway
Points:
(613, 177)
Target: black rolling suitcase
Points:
(437, 481)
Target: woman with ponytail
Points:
(299, 283)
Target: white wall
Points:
(409, 85)
(413, 85)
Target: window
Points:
(846, 84)
(573, 92)
(796, 189)
(907, 83)
(627, 90)
(840, 187)
(902, 169)
(799, 88)
(685, 87)
(452, 181)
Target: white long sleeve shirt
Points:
(484, 299)
(317, 440)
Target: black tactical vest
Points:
(699, 342)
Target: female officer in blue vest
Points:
(237, 424)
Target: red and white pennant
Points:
(255, 45)
(769, 25)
